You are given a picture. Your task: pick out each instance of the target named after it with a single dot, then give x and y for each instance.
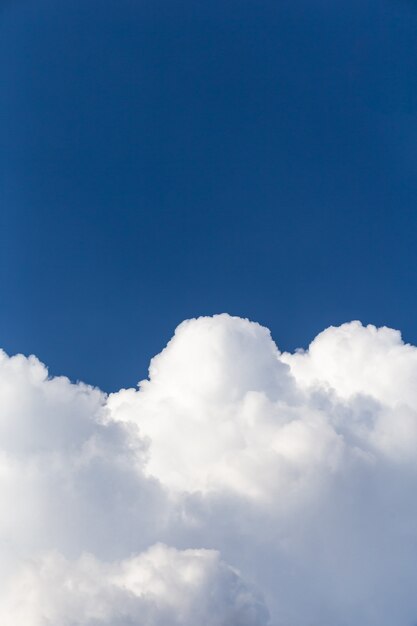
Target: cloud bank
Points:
(237, 486)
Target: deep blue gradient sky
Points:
(166, 159)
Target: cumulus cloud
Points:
(160, 587)
(237, 486)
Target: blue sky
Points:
(163, 160)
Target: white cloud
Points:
(160, 587)
(297, 469)
(354, 359)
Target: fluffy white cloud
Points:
(353, 359)
(297, 469)
(68, 475)
(160, 587)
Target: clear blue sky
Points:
(166, 159)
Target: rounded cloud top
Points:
(218, 359)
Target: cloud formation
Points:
(237, 486)
(160, 587)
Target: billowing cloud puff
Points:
(237, 486)
(160, 587)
